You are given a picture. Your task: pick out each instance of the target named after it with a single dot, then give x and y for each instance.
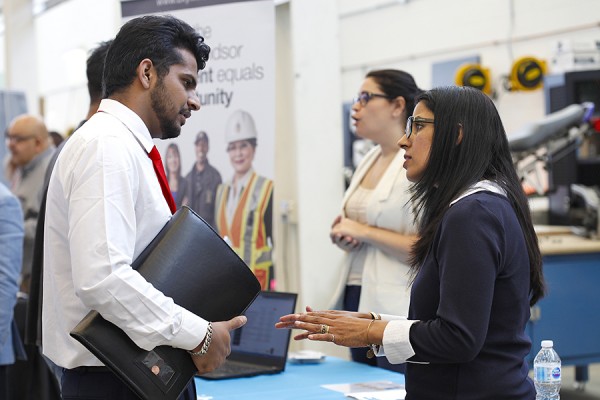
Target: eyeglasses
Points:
(364, 97)
(18, 138)
(410, 121)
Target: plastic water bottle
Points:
(547, 372)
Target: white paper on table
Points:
(364, 387)
(390, 394)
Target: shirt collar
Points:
(35, 161)
(244, 180)
(130, 119)
(484, 185)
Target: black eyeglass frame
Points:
(17, 138)
(411, 120)
(364, 97)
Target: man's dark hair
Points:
(157, 38)
(94, 69)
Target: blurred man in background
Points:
(30, 149)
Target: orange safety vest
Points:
(247, 231)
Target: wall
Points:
(20, 58)
(64, 35)
(412, 35)
(316, 147)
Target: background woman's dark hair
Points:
(153, 37)
(483, 153)
(175, 148)
(396, 83)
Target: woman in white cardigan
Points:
(376, 226)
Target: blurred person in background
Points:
(11, 253)
(30, 149)
(376, 227)
(56, 137)
(33, 326)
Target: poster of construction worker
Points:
(222, 164)
(244, 201)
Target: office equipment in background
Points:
(574, 87)
(258, 347)
(555, 142)
(579, 165)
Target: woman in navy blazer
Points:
(477, 266)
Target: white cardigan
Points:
(385, 280)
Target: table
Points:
(302, 382)
(569, 313)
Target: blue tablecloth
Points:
(302, 382)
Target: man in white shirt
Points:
(106, 203)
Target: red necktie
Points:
(162, 178)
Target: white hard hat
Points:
(240, 126)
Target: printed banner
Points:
(222, 165)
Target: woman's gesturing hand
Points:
(344, 328)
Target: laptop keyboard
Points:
(235, 367)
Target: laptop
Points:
(258, 348)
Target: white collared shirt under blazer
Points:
(104, 207)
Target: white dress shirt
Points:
(104, 206)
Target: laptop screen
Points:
(259, 336)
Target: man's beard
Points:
(161, 103)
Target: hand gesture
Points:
(341, 237)
(344, 328)
(220, 345)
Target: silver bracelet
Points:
(207, 339)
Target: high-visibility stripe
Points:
(247, 231)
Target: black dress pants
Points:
(3, 382)
(98, 383)
(30, 379)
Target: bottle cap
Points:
(547, 343)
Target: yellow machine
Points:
(474, 75)
(527, 74)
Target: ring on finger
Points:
(333, 338)
(324, 329)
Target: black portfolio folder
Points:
(189, 262)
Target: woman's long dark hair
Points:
(395, 83)
(482, 153)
